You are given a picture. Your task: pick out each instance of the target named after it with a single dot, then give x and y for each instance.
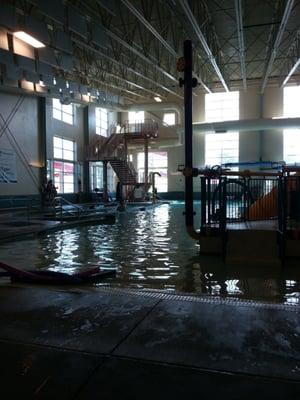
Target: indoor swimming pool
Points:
(150, 249)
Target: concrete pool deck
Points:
(89, 343)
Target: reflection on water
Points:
(151, 249)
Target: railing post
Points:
(105, 190)
(146, 169)
(203, 202)
(223, 213)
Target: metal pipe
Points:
(202, 39)
(248, 125)
(240, 32)
(280, 32)
(188, 109)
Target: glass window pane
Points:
(57, 153)
(56, 104)
(68, 155)
(136, 116)
(56, 114)
(57, 142)
(68, 118)
(68, 168)
(169, 118)
(68, 145)
(68, 188)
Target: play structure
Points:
(246, 216)
(114, 151)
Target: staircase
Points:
(112, 150)
(124, 171)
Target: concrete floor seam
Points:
(135, 327)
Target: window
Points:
(291, 137)
(63, 149)
(169, 119)
(64, 152)
(63, 112)
(157, 162)
(221, 148)
(221, 106)
(96, 176)
(136, 116)
(101, 116)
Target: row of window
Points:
(224, 147)
(219, 148)
(66, 113)
(63, 168)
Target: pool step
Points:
(252, 246)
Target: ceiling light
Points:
(29, 39)
(158, 99)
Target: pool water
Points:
(151, 250)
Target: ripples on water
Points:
(151, 249)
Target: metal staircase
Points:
(124, 171)
(114, 149)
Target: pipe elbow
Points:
(193, 233)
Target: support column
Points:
(146, 167)
(42, 143)
(261, 132)
(105, 190)
(86, 164)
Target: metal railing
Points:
(238, 199)
(60, 207)
(228, 200)
(147, 128)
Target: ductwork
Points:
(247, 125)
(154, 107)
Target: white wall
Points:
(24, 128)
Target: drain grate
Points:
(201, 299)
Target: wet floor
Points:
(151, 250)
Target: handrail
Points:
(147, 128)
(61, 201)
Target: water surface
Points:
(151, 250)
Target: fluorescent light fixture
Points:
(29, 39)
(158, 99)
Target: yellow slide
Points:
(265, 207)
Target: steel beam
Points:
(281, 29)
(188, 12)
(158, 36)
(240, 32)
(85, 46)
(147, 24)
(292, 60)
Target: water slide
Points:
(265, 207)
